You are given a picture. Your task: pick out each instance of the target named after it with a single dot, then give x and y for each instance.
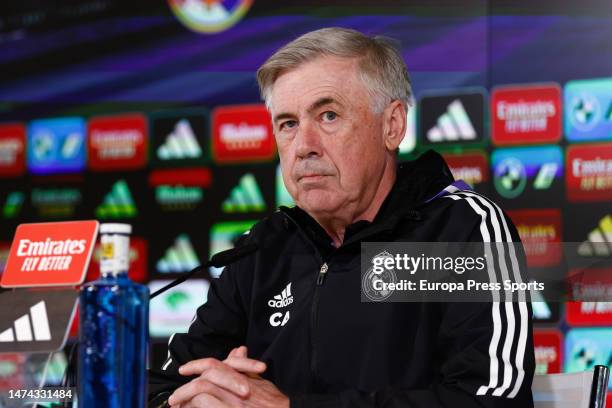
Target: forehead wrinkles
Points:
(297, 90)
(341, 74)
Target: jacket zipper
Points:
(314, 311)
(322, 274)
(314, 322)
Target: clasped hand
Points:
(233, 382)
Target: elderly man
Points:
(285, 325)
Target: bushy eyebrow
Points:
(315, 105)
(320, 103)
(282, 116)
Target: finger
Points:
(185, 392)
(204, 401)
(197, 386)
(238, 352)
(196, 367)
(246, 365)
(228, 378)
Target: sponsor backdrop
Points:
(149, 114)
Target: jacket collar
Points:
(416, 182)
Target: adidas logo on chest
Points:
(282, 300)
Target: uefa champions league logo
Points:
(370, 277)
(209, 16)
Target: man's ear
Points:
(394, 125)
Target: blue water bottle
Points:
(114, 334)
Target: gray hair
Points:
(381, 67)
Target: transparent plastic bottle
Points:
(113, 329)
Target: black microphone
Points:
(219, 260)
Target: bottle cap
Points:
(115, 228)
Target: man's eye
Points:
(287, 125)
(329, 116)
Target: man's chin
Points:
(318, 202)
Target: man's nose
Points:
(308, 140)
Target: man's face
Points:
(330, 142)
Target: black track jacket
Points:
(296, 304)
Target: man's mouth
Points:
(311, 177)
